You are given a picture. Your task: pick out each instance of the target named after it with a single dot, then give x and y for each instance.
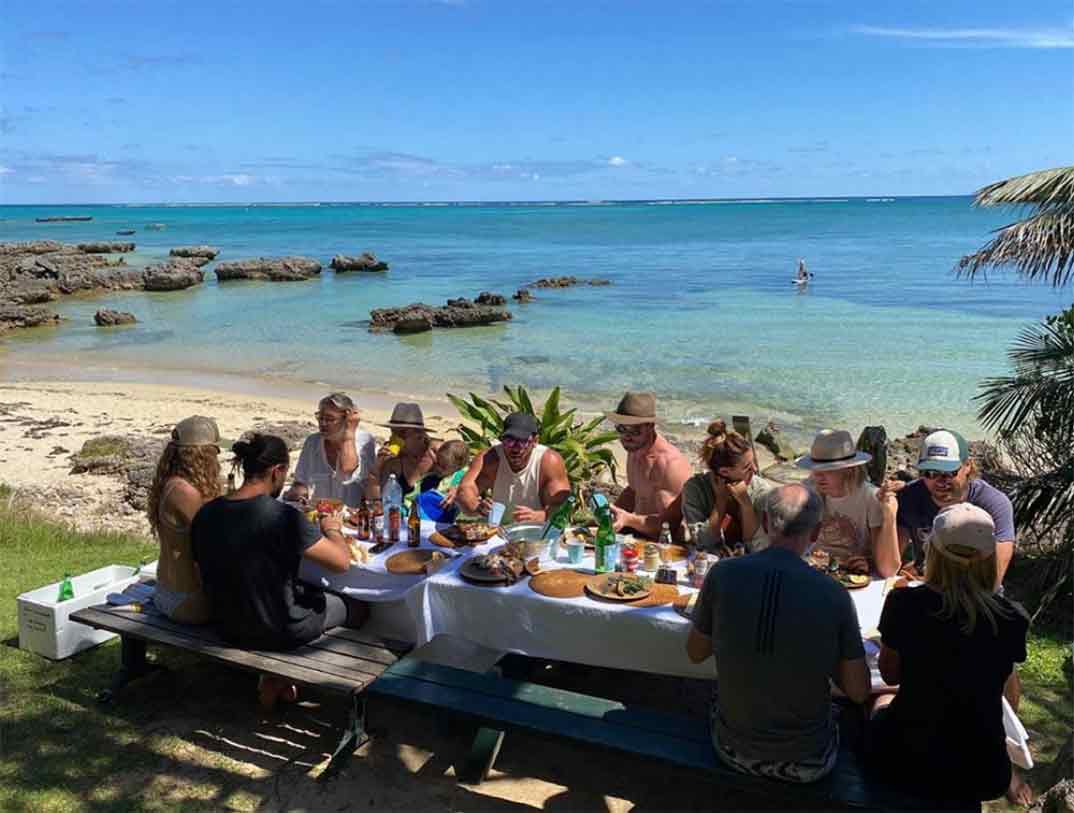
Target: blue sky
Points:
(510, 100)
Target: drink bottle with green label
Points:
(67, 590)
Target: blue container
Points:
(429, 503)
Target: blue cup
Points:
(575, 552)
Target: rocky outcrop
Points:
(1058, 799)
(773, 439)
(110, 318)
(523, 295)
(17, 316)
(363, 262)
(125, 232)
(206, 253)
(275, 269)
(175, 275)
(486, 298)
(63, 219)
(293, 433)
(105, 248)
(418, 316)
(32, 247)
(23, 291)
(568, 282)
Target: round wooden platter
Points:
(594, 588)
(660, 596)
(563, 583)
(409, 562)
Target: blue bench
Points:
(499, 703)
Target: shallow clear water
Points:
(701, 310)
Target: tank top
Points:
(518, 488)
(179, 593)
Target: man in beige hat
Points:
(656, 470)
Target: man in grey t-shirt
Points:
(779, 631)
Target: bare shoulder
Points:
(178, 487)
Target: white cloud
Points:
(6, 170)
(617, 161)
(976, 37)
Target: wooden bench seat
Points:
(343, 661)
(503, 703)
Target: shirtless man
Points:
(525, 476)
(656, 470)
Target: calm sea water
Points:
(701, 310)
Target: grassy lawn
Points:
(177, 743)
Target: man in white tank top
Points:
(528, 478)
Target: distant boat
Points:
(157, 226)
(125, 232)
(63, 218)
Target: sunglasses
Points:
(516, 443)
(629, 431)
(324, 417)
(941, 475)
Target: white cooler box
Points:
(43, 624)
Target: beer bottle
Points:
(395, 522)
(363, 520)
(378, 521)
(413, 526)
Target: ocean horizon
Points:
(701, 308)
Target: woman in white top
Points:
(337, 461)
(859, 519)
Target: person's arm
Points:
(890, 665)
(698, 646)
(626, 499)
(1004, 554)
(673, 516)
(348, 449)
(750, 521)
(184, 501)
(331, 551)
(468, 496)
(699, 641)
(887, 554)
(852, 677)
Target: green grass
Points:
(190, 738)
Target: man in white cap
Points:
(948, 477)
(656, 470)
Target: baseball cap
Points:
(197, 430)
(966, 525)
(520, 425)
(943, 450)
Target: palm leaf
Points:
(550, 413)
(1041, 188)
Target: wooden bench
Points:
(342, 661)
(500, 703)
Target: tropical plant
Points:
(582, 445)
(1032, 410)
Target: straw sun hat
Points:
(634, 408)
(833, 449)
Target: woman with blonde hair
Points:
(187, 477)
(950, 645)
(859, 525)
(726, 499)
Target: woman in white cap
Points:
(950, 645)
(859, 526)
(187, 477)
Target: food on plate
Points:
(359, 553)
(435, 561)
(578, 533)
(622, 584)
(854, 579)
(326, 505)
(819, 559)
(475, 531)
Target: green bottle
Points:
(560, 519)
(605, 543)
(67, 590)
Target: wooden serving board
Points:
(560, 583)
(661, 595)
(409, 562)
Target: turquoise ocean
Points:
(701, 308)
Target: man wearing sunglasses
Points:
(656, 470)
(524, 475)
(949, 476)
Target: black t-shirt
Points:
(249, 552)
(944, 729)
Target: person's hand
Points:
(484, 505)
(886, 496)
(525, 514)
(620, 518)
(384, 454)
(449, 498)
(351, 426)
(297, 493)
(331, 522)
(739, 490)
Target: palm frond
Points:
(1039, 247)
(1043, 188)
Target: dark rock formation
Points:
(568, 282)
(110, 318)
(32, 247)
(486, 298)
(23, 291)
(125, 232)
(363, 262)
(16, 316)
(175, 275)
(523, 295)
(37, 272)
(195, 252)
(773, 439)
(63, 219)
(105, 248)
(276, 269)
(456, 313)
(874, 441)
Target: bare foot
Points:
(1019, 792)
(271, 690)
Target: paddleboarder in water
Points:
(803, 275)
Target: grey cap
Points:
(520, 425)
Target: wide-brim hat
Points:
(406, 416)
(634, 408)
(197, 430)
(833, 449)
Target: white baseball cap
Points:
(965, 525)
(943, 450)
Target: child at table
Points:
(452, 461)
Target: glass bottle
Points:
(363, 520)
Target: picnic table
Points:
(516, 619)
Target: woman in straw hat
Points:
(859, 527)
(187, 477)
(417, 455)
(950, 645)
